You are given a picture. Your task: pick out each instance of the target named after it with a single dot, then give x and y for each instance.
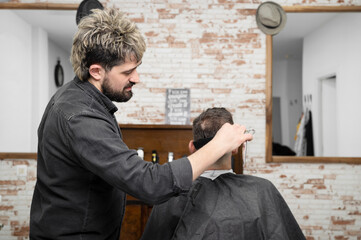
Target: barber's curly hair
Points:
(106, 37)
(210, 121)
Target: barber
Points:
(84, 168)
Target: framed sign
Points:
(177, 107)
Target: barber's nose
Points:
(134, 77)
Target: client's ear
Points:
(191, 147)
(235, 151)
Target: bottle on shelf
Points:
(140, 152)
(155, 158)
(170, 156)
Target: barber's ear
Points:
(96, 71)
(191, 147)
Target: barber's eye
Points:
(128, 72)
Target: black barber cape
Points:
(228, 207)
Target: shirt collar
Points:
(99, 96)
(213, 174)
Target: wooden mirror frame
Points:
(31, 6)
(293, 159)
(39, 6)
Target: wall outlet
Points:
(21, 170)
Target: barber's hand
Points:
(232, 136)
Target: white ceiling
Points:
(288, 43)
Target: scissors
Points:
(250, 131)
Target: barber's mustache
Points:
(130, 84)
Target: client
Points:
(222, 204)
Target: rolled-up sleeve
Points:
(95, 141)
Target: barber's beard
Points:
(116, 96)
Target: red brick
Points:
(258, 76)
(12, 182)
(151, 34)
(340, 238)
(346, 197)
(157, 90)
(310, 227)
(208, 37)
(340, 221)
(357, 212)
(329, 176)
(247, 12)
(138, 20)
(315, 181)
(304, 191)
(6, 208)
(22, 231)
(323, 196)
(221, 90)
(239, 62)
(20, 162)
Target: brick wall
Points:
(215, 49)
(17, 181)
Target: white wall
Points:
(340, 37)
(39, 83)
(27, 82)
(15, 90)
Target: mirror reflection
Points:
(316, 80)
(31, 43)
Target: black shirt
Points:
(84, 169)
